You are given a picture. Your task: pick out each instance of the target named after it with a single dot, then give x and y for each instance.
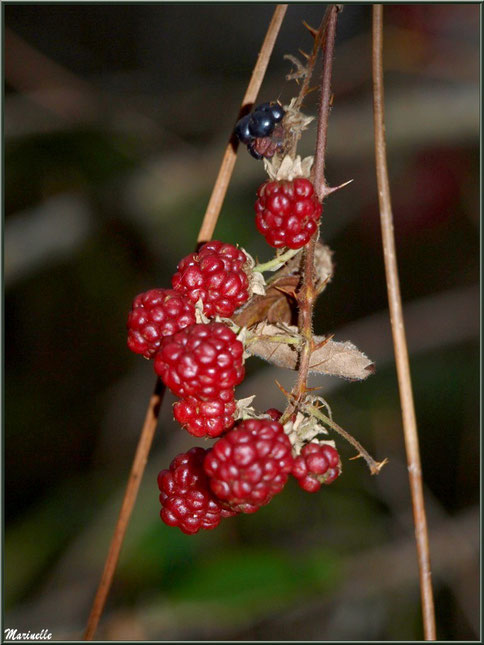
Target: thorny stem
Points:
(290, 142)
(152, 413)
(230, 155)
(319, 179)
(398, 331)
(374, 466)
(307, 293)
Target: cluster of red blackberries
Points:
(242, 472)
(201, 360)
(256, 130)
(200, 363)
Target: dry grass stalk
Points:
(398, 331)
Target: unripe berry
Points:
(317, 464)
(216, 275)
(205, 418)
(250, 464)
(274, 414)
(287, 212)
(203, 361)
(185, 497)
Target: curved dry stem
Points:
(398, 331)
(374, 466)
(149, 426)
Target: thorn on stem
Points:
(287, 394)
(327, 190)
(358, 456)
(289, 292)
(324, 341)
(314, 32)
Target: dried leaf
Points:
(341, 359)
(333, 358)
(276, 306)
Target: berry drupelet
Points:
(287, 212)
(155, 314)
(185, 496)
(250, 464)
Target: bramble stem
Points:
(307, 293)
(398, 331)
(151, 419)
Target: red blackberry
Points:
(202, 361)
(185, 497)
(205, 418)
(154, 314)
(287, 212)
(317, 464)
(216, 275)
(274, 414)
(250, 464)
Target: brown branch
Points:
(148, 430)
(307, 293)
(291, 137)
(319, 180)
(230, 155)
(398, 331)
(134, 481)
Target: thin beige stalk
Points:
(398, 331)
(152, 413)
(132, 487)
(230, 155)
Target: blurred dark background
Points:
(115, 122)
